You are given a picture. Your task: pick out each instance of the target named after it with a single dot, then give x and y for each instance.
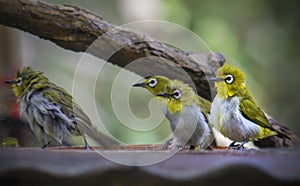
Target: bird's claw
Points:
(238, 146)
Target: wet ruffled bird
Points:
(52, 114)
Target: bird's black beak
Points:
(139, 85)
(9, 81)
(216, 79)
(166, 95)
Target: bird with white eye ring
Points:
(229, 79)
(158, 84)
(51, 112)
(234, 112)
(188, 123)
(185, 110)
(176, 94)
(152, 82)
(19, 81)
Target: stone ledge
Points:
(75, 166)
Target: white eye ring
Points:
(176, 94)
(229, 79)
(19, 81)
(152, 82)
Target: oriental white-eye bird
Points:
(180, 104)
(158, 84)
(234, 112)
(52, 114)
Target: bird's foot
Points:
(232, 145)
(238, 146)
(46, 145)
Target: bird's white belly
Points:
(227, 119)
(189, 127)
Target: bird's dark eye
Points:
(19, 81)
(229, 79)
(152, 82)
(176, 94)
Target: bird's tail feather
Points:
(87, 128)
(98, 137)
(281, 135)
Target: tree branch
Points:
(76, 29)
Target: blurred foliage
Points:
(261, 37)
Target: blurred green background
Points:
(259, 36)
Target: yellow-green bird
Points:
(158, 84)
(52, 114)
(234, 112)
(180, 104)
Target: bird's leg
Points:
(167, 143)
(241, 146)
(232, 145)
(46, 145)
(86, 145)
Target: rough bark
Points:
(77, 29)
